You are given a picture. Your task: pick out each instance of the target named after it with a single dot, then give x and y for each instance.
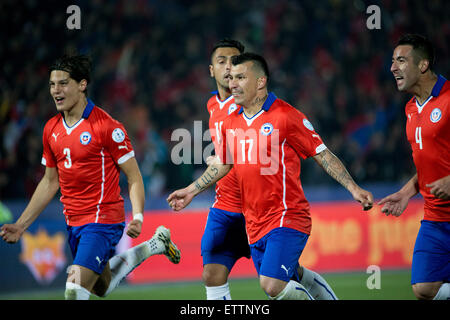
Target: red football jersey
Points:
(87, 156)
(228, 196)
(266, 151)
(428, 132)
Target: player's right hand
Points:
(364, 197)
(11, 233)
(179, 199)
(134, 228)
(394, 204)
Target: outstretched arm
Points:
(44, 193)
(181, 198)
(335, 168)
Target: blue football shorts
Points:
(276, 254)
(431, 257)
(224, 240)
(93, 244)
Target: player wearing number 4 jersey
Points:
(84, 151)
(428, 132)
(265, 141)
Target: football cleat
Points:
(172, 252)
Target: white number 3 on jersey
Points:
(68, 162)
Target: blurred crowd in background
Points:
(150, 71)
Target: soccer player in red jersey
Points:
(224, 240)
(84, 151)
(265, 140)
(428, 132)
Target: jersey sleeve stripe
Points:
(320, 148)
(126, 157)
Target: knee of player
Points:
(424, 291)
(212, 279)
(271, 287)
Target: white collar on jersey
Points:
(250, 120)
(70, 129)
(222, 103)
(86, 112)
(421, 106)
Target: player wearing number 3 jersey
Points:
(84, 151)
(86, 155)
(428, 132)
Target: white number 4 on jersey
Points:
(419, 137)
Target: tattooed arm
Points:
(181, 198)
(334, 167)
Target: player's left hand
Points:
(180, 199)
(440, 188)
(364, 197)
(134, 228)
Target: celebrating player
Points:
(84, 151)
(224, 240)
(265, 141)
(428, 132)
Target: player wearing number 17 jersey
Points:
(428, 132)
(225, 240)
(265, 141)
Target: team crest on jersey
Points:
(436, 115)
(43, 254)
(118, 135)
(85, 138)
(232, 108)
(266, 129)
(308, 125)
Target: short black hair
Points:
(77, 65)
(258, 60)
(422, 47)
(228, 43)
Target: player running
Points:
(84, 151)
(428, 132)
(265, 141)
(224, 240)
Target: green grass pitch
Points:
(394, 285)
